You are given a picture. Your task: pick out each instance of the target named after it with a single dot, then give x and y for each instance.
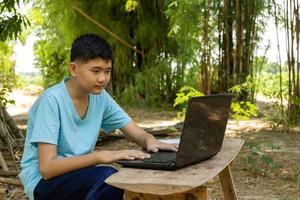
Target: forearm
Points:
(142, 141)
(146, 140)
(50, 165)
(58, 166)
(137, 134)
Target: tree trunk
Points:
(9, 134)
(293, 33)
(239, 42)
(205, 75)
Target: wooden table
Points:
(186, 183)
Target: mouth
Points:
(98, 87)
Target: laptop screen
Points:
(204, 127)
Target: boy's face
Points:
(92, 76)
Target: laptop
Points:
(201, 138)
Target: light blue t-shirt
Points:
(53, 119)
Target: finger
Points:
(128, 157)
(175, 146)
(141, 155)
(148, 155)
(153, 149)
(135, 153)
(168, 147)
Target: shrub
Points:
(183, 96)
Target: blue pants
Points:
(83, 184)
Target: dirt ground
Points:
(266, 168)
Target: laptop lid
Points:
(204, 127)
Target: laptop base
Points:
(147, 165)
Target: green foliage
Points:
(140, 94)
(11, 21)
(296, 101)
(129, 97)
(156, 76)
(11, 25)
(294, 111)
(272, 113)
(183, 96)
(268, 79)
(53, 63)
(187, 28)
(191, 77)
(259, 162)
(244, 90)
(4, 101)
(240, 110)
(268, 84)
(25, 80)
(53, 48)
(243, 110)
(173, 51)
(7, 75)
(131, 5)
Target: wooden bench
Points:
(186, 183)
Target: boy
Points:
(63, 127)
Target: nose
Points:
(101, 78)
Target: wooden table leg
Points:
(227, 184)
(199, 193)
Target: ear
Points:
(73, 69)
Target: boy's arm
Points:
(146, 140)
(50, 165)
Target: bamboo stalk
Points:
(9, 173)
(3, 163)
(10, 181)
(279, 60)
(81, 12)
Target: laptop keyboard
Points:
(161, 157)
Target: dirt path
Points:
(266, 168)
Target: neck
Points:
(75, 91)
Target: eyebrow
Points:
(100, 67)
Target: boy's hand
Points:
(108, 157)
(154, 145)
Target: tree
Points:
(11, 25)
(292, 28)
(222, 35)
(149, 73)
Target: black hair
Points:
(90, 46)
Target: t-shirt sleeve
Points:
(114, 117)
(46, 122)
